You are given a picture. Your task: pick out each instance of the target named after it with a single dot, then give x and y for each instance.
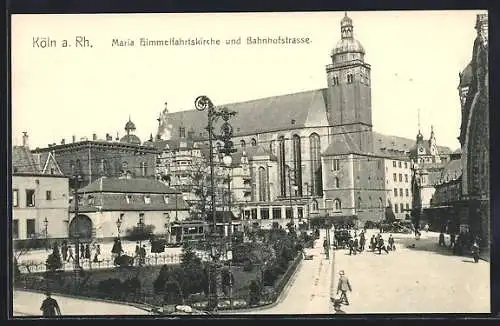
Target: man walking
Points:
(391, 243)
(362, 241)
(475, 251)
(70, 253)
(441, 242)
(343, 286)
(50, 307)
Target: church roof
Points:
(265, 114)
(23, 161)
(135, 185)
(131, 139)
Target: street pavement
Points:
(28, 304)
(424, 279)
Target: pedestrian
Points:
(441, 242)
(426, 227)
(356, 244)
(82, 250)
(351, 246)
(392, 247)
(452, 240)
(50, 307)
(70, 253)
(381, 246)
(137, 249)
(337, 307)
(142, 255)
(373, 242)
(343, 286)
(88, 254)
(362, 242)
(475, 251)
(64, 250)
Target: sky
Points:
(58, 92)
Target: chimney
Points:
(63, 141)
(25, 139)
(74, 138)
(94, 137)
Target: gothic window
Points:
(336, 164)
(350, 78)
(144, 169)
(337, 183)
(281, 159)
(316, 178)
(182, 132)
(337, 204)
(262, 184)
(242, 143)
(358, 203)
(253, 142)
(380, 203)
(297, 164)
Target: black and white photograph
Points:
(264, 163)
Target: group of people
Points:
(139, 254)
(83, 251)
(458, 243)
(377, 243)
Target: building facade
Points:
(94, 158)
(39, 197)
(474, 137)
(131, 201)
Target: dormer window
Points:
(147, 199)
(166, 199)
(127, 198)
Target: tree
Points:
(255, 292)
(173, 293)
(193, 272)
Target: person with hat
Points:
(343, 286)
(50, 307)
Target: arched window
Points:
(281, 165)
(262, 184)
(242, 143)
(297, 164)
(253, 142)
(314, 205)
(144, 169)
(337, 183)
(337, 204)
(380, 203)
(316, 179)
(358, 204)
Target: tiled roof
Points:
(118, 202)
(281, 112)
(135, 185)
(451, 171)
(402, 144)
(23, 161)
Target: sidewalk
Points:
(426, 279)
(27, 303)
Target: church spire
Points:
(346, 27)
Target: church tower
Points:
(349, 90)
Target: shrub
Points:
(132, 286)
(173, 293)
(140, 233)
(158, 245)
(192, 272)
(271, 275)
(248, 265)
(111, 287)
(255, 293)
(124, 261)
(54, 261)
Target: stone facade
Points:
(474, 136)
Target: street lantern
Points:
(46, 224)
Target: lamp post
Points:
(228, 160)
(77, 179)
(46, 224)
(203, 103)
(290, 197)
